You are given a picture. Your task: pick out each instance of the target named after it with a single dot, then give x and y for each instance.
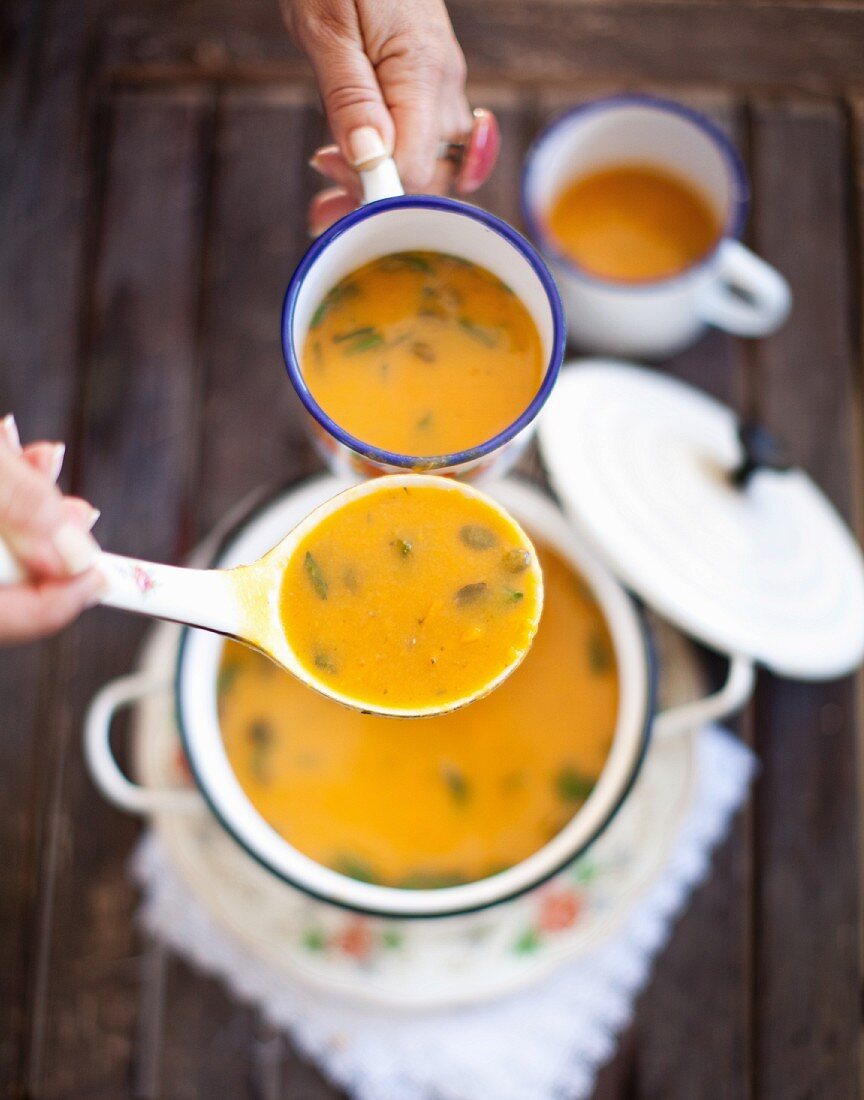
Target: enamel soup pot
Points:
(661, 489)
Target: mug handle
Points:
(748, 296)
(731, 697)
(380, 180)
(106, 773)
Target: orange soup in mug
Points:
(422, 353)
(632, 222)
(422, 333)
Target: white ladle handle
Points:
(198, 597)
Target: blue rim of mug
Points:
(735, 220)
(393, 458)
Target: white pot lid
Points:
(767, 569)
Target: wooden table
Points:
(153, 192)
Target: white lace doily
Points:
(545, 1043)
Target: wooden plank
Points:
(301, 1081)
(17, 55)
(774, 45)
(43, 219)
(207, 1038)
(515, 114)
(252, 436)
(20, 678)
(675, 1052)
(856, 108)
(718, 363)
(253, 424)
(133, 453)
(807, 908)
(652, 1059)
(692, 1024)
(44, 204)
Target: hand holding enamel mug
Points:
(49, 534)
(391, 71)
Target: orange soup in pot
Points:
(438, 801)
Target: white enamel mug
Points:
(729, 287)
(390, 221)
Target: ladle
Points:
(245, 602)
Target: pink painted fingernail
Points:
(92, 518)
(10, 431)
(365, 144)
(55, 463)
(77, 549)
(482, 152)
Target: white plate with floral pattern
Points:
(422, 963)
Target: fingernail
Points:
(92, 518)
(319, 158)
(58, 453)
(77, 549)
(365, 144)
(10, 430)
(482, 152)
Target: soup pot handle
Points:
(730, 698)
(105, 770)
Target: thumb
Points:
(355, 107)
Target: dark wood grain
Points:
(47, 181)
(258, 235)
(207, 1037)
(807, 907)
(756, 45)
(705, 1054)
(516, 117)
(45, 211)
(747, 44)
(20, 678)
(140, 401)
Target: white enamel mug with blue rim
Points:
(729, 288)
(390, 221)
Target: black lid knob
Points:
(761, 451)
